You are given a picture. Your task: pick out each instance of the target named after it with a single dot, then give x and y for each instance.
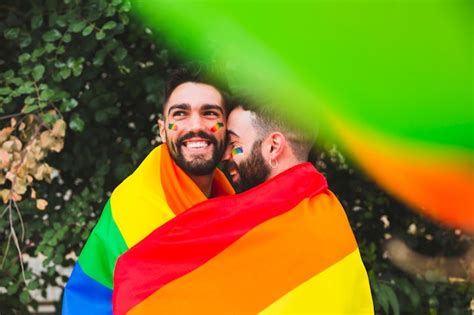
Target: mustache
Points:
(227, 165)
(201, 134)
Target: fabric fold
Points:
(242, 254)
(139, 205)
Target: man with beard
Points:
(173, 177)
(282, 246)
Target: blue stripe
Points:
(84, 295)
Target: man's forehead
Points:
(194, 93)
(240, 123)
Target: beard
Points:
(252, 171)
(198, 165)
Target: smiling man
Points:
(193, 127)
(173, 177)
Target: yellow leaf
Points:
(41, 204)
(13, 122)
(46, 140)
(5, 158)
(59, 128)
(20, 186)
(5, 133)
(5, 194)
(33, 193)
(57, 145)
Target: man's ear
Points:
(161, 125)
(275, 145)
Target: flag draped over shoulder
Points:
(283, 247)
(155, 193)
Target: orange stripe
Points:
(435, 182)
(180, 190)
(263, 265)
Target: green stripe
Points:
(104, 246)
(400, 68)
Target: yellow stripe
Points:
(341, 289)
(139, 204)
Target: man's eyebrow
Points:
(212, 106)
(230, 132)
(178, 106)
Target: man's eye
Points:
(211, 113)
(178, 113)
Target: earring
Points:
(273, 163)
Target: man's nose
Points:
(227, 153)
(196, 123)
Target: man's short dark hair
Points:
(266, 119)
(196, 74)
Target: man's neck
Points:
(204, 183)
(284, 165)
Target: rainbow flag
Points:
(285, 246)
(155, 193)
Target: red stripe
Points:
(188, 241)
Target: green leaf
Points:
(29, 108)
(33, 285)
(99, 35)
(67, 37)
(76, 123)
(46, 95)
(26, 88)
(60, 50)
(8, 74)
(51, 36)
(111, 10)
(120, 54)
(25, 40)
(124, 18)
(68, 105)
(391, 297)
(65, 73)
(77, 70)
(49, 47)
(87, 30)
(17, 81)
(24, 57)
(109, 25)
(5, 91)
(380, 296)
(38, 72)
(37, 21)
(116, 2)
(61, 21)
(11, 33)
(38, 52)
(126, 6)
(78, 26)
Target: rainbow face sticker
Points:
(217, 126)
(237, 150)
(172, 126)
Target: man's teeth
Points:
(196, 144)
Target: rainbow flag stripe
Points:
(248, 255)
(172, 126)
(217, 126)
(140, 204)
(236, 151)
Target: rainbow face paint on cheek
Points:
(217, 126)
(172, 126)
(237, 150)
